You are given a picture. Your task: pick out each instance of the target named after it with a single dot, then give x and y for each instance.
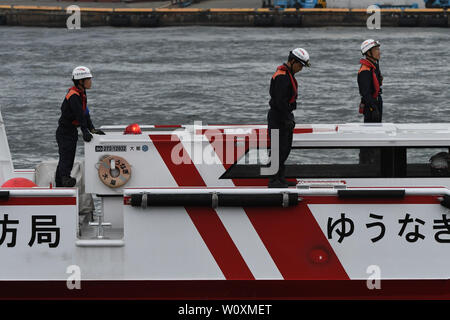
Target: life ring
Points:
(114, 177)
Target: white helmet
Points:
(369, 44)
(300, 55)
(81, 73)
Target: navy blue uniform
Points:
(369, 83)
(74, 114)
(283, 93)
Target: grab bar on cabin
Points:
(358, 194)
(214, 199)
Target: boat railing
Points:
(239, 197)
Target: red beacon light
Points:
(19, 183)
(133, 129)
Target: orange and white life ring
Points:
(114, 171)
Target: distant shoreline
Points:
(56, 16)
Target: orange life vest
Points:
(282, 70)
(78, 92)
(366, 65)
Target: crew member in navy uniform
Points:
(74, 114)
(370, 81)
(283, 100)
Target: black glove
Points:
(87, 136)
(289, 125)
(97, 131)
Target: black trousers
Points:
(67, 147)
(284, 140)
(376, 115)
(366, 155)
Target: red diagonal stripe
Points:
(206, 221)
(293, 237)
(220, 243)
(185, 174)
(221, 150)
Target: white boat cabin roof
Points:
(329, 135)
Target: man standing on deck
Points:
(283, 100)
(74, 114)
(370, 81)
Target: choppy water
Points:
(217, 75)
